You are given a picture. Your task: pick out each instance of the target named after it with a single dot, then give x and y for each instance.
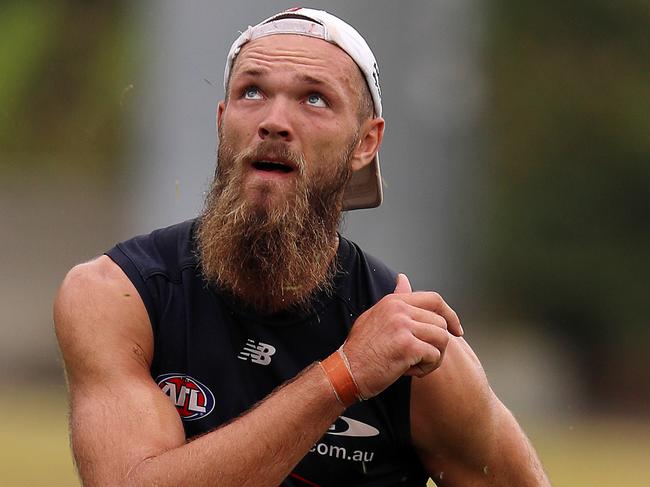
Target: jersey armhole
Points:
(117, 255)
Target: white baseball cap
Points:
(364, 189)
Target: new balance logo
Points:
(259, 353)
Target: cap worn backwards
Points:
(364, 189)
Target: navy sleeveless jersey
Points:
(215, 359)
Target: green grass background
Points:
(586, 453)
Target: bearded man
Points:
(254, 345)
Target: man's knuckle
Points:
(432, 357)
(397, 318)
(444, 341)
(436, 320)
(396, 305)
(403, 340)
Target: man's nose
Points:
(276, 124)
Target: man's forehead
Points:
(293, 49)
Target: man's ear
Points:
(371, 135)
(220, 109)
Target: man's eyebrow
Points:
(305, 78)
(302, 78)
(252, 72)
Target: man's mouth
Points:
(273, 166)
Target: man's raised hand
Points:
(405, 333)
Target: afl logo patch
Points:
(192, 399)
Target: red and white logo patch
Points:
(192, 399)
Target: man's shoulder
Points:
(89, 292)
(366, 272)
(166, 251)
(98, 273)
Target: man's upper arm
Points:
(463, 434)
(119, 417)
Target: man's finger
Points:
(434, 302)
(431, 358)
(403, 285)
(422, 315)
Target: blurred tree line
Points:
(62, 84)
(568, 227)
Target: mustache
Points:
(273, 150)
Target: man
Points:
(256, 346)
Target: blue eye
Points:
(252, 93)
(316, 100)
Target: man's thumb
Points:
(403, 284)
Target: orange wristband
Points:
(339, 375)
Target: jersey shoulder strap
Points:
(150, 261)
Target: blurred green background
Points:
(561, 237)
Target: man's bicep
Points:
(119, 417)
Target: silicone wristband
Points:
(340, 377)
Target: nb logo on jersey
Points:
(258, 353)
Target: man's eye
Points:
(316, 100)
(252, 93)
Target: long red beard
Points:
(278, 255)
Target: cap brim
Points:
(364, 188)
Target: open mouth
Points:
(272, 166)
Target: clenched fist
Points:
(405, 333)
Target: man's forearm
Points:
(515, 460)
(259, 448)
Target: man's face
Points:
(289, 94)
(290, 135)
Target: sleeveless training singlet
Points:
(215, 359)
